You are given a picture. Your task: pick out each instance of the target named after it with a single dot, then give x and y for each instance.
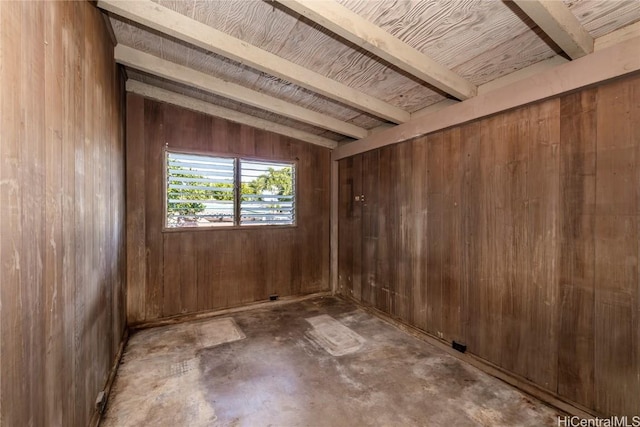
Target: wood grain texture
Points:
(152, 118)
(363, 33)
(173, 71)
(611, 39)
(136, 247)
(557, 21)
(349, 214)
(603, 17)
(434, 247)
(418, 218)
(225, 103)
(62, 211)
(195, 104)
(370, 230)
(517, 234)
(480, 40)
(191, 271)
(601, 66)
(230, 71)
(577, 246)
(451, 236)
(542, 251)
(192, 31)
(617, 291)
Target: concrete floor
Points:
(318, 362)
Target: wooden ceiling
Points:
(332, 72)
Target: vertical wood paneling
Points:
(74, 110)
(541, 299)
(195, 270)
(85, 169)
(518, 235)
(12, 353)
(511, 260)
(31, 139)
(136, 245)
(617, 345)
(54, 193)
(61, 211)
(370, 189)
(350, 253)
(577, 247)
(451, 235)
(385, 256)
(403, 240)
(491, 262)
(155, 294)
(470, 206)
(418, 251)
(434, 255)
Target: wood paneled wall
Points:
(177, 272)
(517, 235)
(61, 212)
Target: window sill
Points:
(227, 228)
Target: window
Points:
(266, 193)
(207, 191)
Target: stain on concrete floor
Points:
(318, 362)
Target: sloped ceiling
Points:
(478, 40)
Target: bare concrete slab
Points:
(319, 362)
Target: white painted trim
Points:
(158, 94)
(351, 26)
(176, 25)
(159, 67)
(560, 24)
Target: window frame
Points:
(237, 176)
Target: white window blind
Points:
(200, 190)
(267, 193)
(208, 191)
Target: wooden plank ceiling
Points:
(339, 71)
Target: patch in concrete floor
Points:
(219, 331)
(333, 336)
(182, 367)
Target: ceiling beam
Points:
(169, 70)
(597, 67)
(170, 97)
(560, 24)
(351, 26)
(189, 30)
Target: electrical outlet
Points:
(459, 346)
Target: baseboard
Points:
(510, 378)
(98, 411)
(179, 318)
